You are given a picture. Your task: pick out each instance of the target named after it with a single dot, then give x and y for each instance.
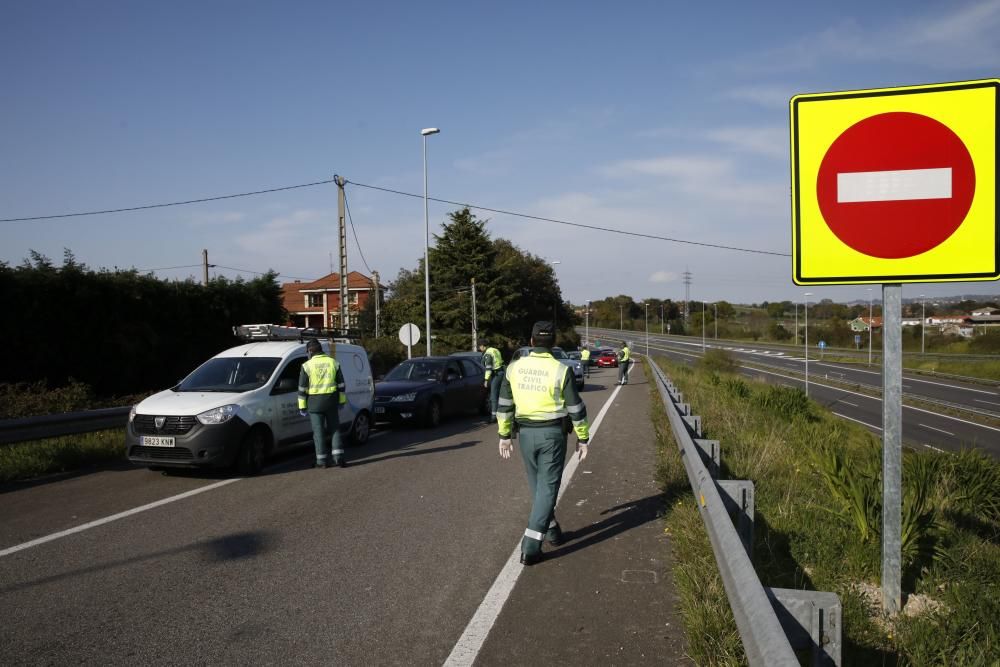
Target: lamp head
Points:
(429, 130)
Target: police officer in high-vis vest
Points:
(624, 361)
(321, 393)
(493, 362)
(585, 360)
(539, 394)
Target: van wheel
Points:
(250, 459)
(432, 418)
(361, 430)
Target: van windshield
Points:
(231, 374)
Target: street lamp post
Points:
(796, 323)
(621, 317)
(427, 245)
(716, 306)
(647, 330)
(806, 311)
(923, 321)
(704, 307)
(586, 334)
(661, 319)
(871, 326)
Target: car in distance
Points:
(606, 358)
(575, 365)
(427, 389)
(241, 406)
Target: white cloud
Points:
(769, 142)
(663, 277)
(217, 218)
(943, 39)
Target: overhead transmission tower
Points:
(687, 296)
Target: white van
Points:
(240, 406)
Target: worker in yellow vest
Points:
(539, 395)
(493, 361)
(624, 361)
(585, 360)
(321, 393)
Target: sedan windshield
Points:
(417, 370)
(558, 354)
(234, 374)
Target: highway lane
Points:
(970, 396)
(384, 562)
(921, 428)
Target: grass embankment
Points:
(818, 497)
(24, 460)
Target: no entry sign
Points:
(895, 185)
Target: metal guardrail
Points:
(773, 622)
(66, 423)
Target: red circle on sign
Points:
(895, 142)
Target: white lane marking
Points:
(936, 429)
(114, 517)
(467, 647)
(894, 185)
(877, 428)
(986, 402)
(853, 405)
(933, 447)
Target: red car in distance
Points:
(606, 358)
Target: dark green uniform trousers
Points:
(494, 388)
(326, 433)
(544, 452)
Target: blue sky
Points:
(659, 118)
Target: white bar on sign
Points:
(899, 185)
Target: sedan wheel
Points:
(361, 429)
(433, 416)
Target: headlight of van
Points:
(218, 415)
(404, 398)
(131, 415)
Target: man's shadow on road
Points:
(619, 519)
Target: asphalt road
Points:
(921, 428)
(383, 562)
(966, 395)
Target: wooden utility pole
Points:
(204, 267)
(475, 332)
(375, 275)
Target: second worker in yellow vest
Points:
(539, 394)
(624, 361)
(321, 393)
(493, 361)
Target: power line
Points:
(405, 194)
(574, 224)
(355, 232)
(176, 203)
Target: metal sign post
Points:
(892, 446)
(409, 334)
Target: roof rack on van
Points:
(259, 332)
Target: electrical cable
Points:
(574, 224)
(176, 203)
(355, 232)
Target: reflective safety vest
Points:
(537, 386)
(626, 353)
(536, 382)
(493, 361)
(585, 354)
(321, 372)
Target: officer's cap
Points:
(544, 334)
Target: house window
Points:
(314, 300)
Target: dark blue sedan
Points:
(427, 389)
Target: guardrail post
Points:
(811, 621)
(737, 496)
(711, 454)
(694, 423)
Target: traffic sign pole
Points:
(892, 446)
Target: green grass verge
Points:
(24, 460)
(809, 531)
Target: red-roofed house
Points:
(863, 323)
(317, 304)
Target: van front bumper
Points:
(202, 446)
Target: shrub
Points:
(718, 361)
